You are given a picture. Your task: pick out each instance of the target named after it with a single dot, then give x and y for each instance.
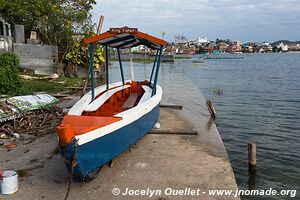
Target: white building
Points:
(202, 41)
(240, 43)
(283, 47)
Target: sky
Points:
(242, 20)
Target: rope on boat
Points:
(73, 164)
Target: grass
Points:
(59, 85)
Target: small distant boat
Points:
(110, 118)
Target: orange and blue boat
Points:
(112, 117)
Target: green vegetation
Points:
(201, 50)
(61, 23)
(59, 85)
(10, 81)
(79, 56)
(54, 21)
(11, 84)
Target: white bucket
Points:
(9, 182)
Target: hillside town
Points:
(202, 45)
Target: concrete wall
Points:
(39, 58)
(19, 33)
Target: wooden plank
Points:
(129, 103)
(211, 109)
(177, 107)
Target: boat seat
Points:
(130, 102)
(73, 125)
(93, 106)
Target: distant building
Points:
(248, 47)
(208, 49)
(283, 47)
(201, 41)
(294, 47)
(238, 43)
(265, 47)
(222, 46)
(234, 47)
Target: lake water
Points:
(260, 102)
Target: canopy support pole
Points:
(106, 67)
(154, 66)
(92, 70)
(121, 68)
(131, 65)
(157, 70)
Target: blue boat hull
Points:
(93, 155)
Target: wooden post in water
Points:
(211, 109)
(252, 158)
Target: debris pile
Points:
(37, 123)
(26, 117)
(18, 106)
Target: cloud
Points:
(242, 20)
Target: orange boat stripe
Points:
(75, 125)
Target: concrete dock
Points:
(160, 162)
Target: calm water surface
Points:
(260, 103)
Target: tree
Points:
(180, 39)
(275, 49)
(55, 21)
(78, 55)
(201, 50)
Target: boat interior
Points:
(104, 109)
(117, 100)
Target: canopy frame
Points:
(120, 38)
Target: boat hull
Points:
(94, 154)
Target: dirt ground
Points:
(158, 161)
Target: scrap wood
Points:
(50, 77)
(37, 123)
(15, 107)
(5, 107)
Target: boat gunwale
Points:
(127, 116)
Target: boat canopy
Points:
(126, 37)
(121, 38)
